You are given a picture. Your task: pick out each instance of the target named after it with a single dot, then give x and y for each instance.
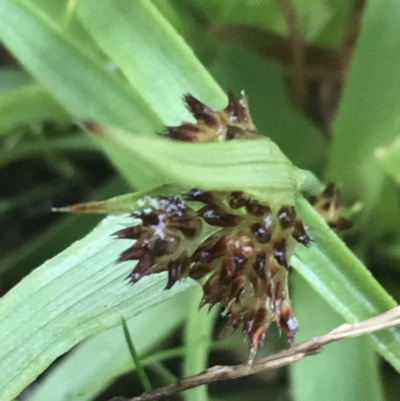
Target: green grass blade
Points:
(135, 357)
(81, 288)
(105, 356)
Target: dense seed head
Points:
(233, 122)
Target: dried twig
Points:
(283, 358)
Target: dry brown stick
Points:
(299, 53)
(283, 358)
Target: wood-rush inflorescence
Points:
(243, 264)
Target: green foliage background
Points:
(127, 63)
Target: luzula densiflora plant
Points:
(235, 245)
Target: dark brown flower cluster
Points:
(234, 122)
(242, 263)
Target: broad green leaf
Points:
(105, 357)
(368, 115)
(79, 293)
(335, 273)
(256, 165)
(347, 370)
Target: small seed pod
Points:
(261, 233)
(199, 270)
(279, 250)
(132, 232)
(198, 195)
(216, 216)
(286, 216)
(186, 132)
(142, 268)
(212, 248)
(200, 111)
(254, 327)
(300, 233)
(149, 218)
(134, 252)
(259, 266)
(176, 270)
(233, 132)
(237, 200)
(255, 208)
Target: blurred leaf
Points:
(368, 113)
(53, 239)
(25, 104)
(347, 370)
(321, 21)
(388, 158)
(37, 148)
(10, 78)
